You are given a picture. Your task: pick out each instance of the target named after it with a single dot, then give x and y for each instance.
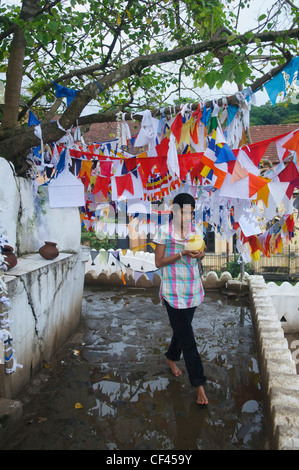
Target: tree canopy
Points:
(283, 113)
(127, 55)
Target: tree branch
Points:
(11, 147)
(142, 62)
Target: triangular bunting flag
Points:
(147, 165)
(238, 172)
(256, 183)
(256, 151)
(101, 184)
(162, 148)
(85, 172)
(137, 275)
(263, 194)
(289, 173)
(223, 153)
(278, 191)
(176, 127)
(293, 144)
(124, 182)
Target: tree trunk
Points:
(14, 80)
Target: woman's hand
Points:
(161, 260)
(194, 253)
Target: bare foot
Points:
(201, 398)
(173, 367)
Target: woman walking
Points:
(181, 288)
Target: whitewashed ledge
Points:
(139, 270)
(285, 299)
(280, 382)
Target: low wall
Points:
(280, 381)
(285, 299)
(136, 270)
(45, 308)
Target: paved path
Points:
(109, 387)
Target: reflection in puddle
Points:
(159, 411)
(130, 400)
(111, 393)
(102, 409)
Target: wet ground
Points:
(109, 388)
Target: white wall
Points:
(27, 220)
(285, 299)
(45, 308)
(45, 296)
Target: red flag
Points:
(147, 165)
(257, 150)
(124, 182)
(102, 184)
(106, 168)
(162, 148)
(289, 174)
(161, 164)
(176, 127)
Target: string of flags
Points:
(204, 152)
(123, 267)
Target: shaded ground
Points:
(109, 387)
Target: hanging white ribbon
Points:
(224, 113)
(125, 130)
(172, 158)
(38, 134)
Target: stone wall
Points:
(285, 299)
(45, 309)
(138, 270)
(45, 296)
(280, 380)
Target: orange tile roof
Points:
(259, 133)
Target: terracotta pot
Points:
(49, 250)
(10, 257)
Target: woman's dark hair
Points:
(182, 199)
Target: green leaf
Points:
(262, 17)
(53, 25)
(58, 45)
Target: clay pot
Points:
(10, 257)
(49, 250)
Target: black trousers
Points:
(183, 341)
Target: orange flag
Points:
(293, 144)
(85, 172)
(256, 183)
(263, 194)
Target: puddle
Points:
(114, 367)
